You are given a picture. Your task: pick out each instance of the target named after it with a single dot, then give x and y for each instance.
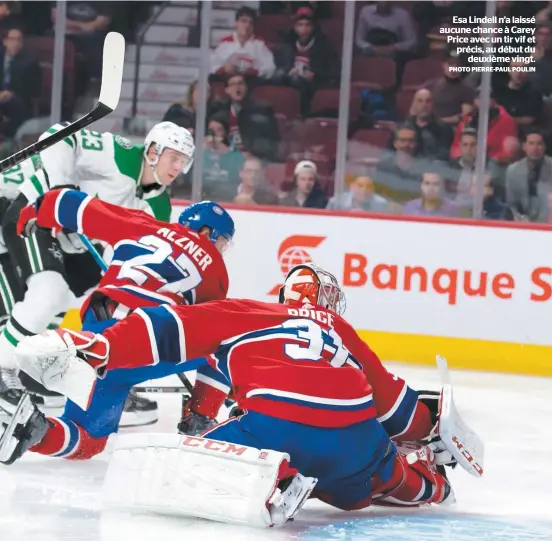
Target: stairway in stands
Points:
(168, 61)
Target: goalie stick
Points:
(112, 76)
(459, 439)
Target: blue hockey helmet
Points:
(211, 215)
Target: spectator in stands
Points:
(386, 30)
(529, 181)
(432, 202)
(458, 173)
(306, 191)
(520, 99)
(87, 23)
(253, 126)
(434, 137)
(221, 164)
(243, 52)
(21, 80)
(399, 170)
(184, 113)
(305, 58)
(252, 190)
(542, 76)
(493, 207)
(502, 142)
(361, 196)
(451, 92)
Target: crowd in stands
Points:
(274, 94)
(273, 101)
(26, 55)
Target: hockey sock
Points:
(68, 440)
(209, 392)
(47, 294)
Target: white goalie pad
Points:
(458, 438)
(199, 477)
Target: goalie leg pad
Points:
(204, 478)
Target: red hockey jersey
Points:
(153, 262)
(305, 365)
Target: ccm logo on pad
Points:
(214, 445)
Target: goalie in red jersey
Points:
(309, 388)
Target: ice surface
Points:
(45, 499)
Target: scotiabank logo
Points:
(294, 251)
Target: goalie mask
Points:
(309, 284)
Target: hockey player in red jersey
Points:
(299, 372)
(400, 410)
(153, 263)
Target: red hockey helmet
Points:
(309, 284)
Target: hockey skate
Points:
(12, 386)
(138, 411)
(48, 402)
(11, 389)
(21, 427)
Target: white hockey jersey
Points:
(103, 165)
(252, 55)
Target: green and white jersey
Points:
(103, 165)
(13, 179)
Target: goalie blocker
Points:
(204, 478)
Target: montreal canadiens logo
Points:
(295, 251)
(217, 210)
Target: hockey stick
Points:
(459, 439)
(112, 76)
(147, 389)
(93, 252)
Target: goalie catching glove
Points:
(65, 361)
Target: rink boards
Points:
(478, 293)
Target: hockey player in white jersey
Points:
(52, 270)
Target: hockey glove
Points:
(65, 361)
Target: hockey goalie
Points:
(309, 393)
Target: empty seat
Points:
(421, 70)
(325, 103)
(43, 50)
(377, 72)
(367, 146)
(283, 99)
(315, 135)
